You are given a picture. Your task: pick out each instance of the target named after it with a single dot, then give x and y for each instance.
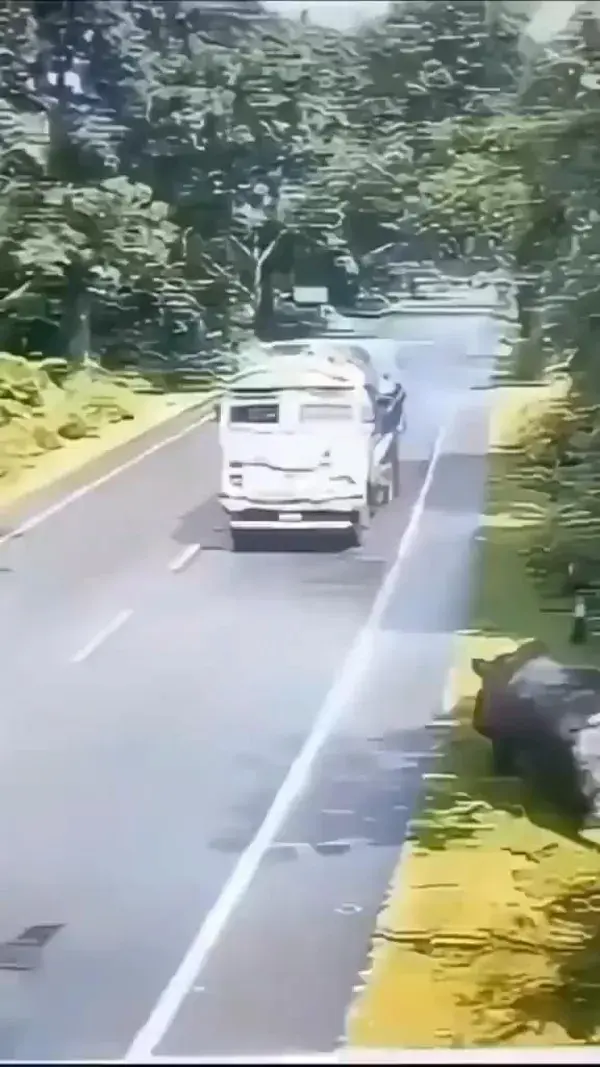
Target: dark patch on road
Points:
(333, 848)
(360, 795)
(202, 525)
(283, 852)
(230, 845)
(25, 952)
(313, 902)
(313, 542)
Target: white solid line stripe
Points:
(77, 494)
(99, 639)
(184, 557)
(354, 666)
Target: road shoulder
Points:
(479, 941)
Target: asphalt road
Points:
(157, 693)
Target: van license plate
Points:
(290, 516)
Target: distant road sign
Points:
(310, 294)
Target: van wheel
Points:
(356, 535)
(239, 540)
(360, 528)
(383, 495)
(379, 496)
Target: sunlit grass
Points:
(53, 421)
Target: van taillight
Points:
(235, 475)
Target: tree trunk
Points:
(526, 297)
(75, 326)
(264, 296)
(264, 311)
(81, 339)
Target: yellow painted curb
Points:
(490, 933)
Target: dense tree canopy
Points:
(166, 167)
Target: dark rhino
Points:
(543, 720)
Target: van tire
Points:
(360, 528)
(356, 535)
(239, 540)
(379, 496)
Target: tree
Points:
(228, 150)
(151, 107)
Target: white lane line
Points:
(336, 701)
(99, 638)
(77, 494)
(184, 557)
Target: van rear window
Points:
(325, 412)
(254, 413)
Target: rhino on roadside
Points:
(543, 720)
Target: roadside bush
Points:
(557, 479)
(44, 405)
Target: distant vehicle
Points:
(292, 318)
(366, 306)
(301, 449)
(310, 295)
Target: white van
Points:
(297, 441)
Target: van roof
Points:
(315, 347)
(296, 372)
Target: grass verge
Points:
(490, 934)
(53, 421)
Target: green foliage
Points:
(44, 405)
(164, 166)
(139, 141)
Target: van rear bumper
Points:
(305, 523)
(301, 516)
